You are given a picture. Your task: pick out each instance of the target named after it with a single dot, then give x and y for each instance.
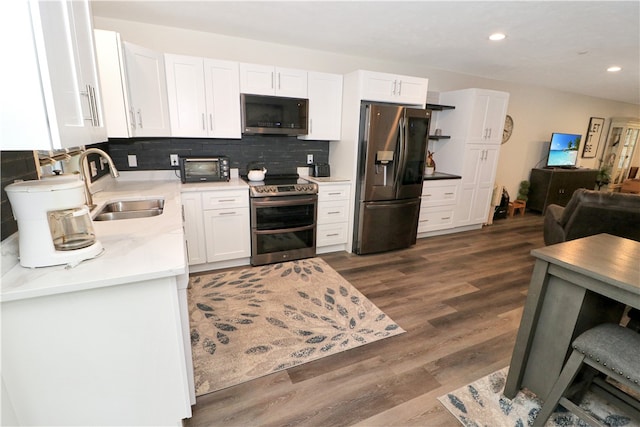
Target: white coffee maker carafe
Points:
(54, 222)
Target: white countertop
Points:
(134, 249)
(232, 184)
(327, 179)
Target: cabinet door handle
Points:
(87, 93)
(446, 217)
(132, 115)
(273, 80)
(140, 118)
(333, 194)
(449, 194)
(204, 126)
(428, 195)
(91, 101)
(333, 213)
(490, 129)
(211, 121)
(227, 213)
(395, 83)
(227, 200)
(333, 234)
(310, 125)
(95, 106)
(279, 81)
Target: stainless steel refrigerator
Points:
(391, 156)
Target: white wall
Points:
(536, 111)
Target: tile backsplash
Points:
(16, 165)
(279, 154)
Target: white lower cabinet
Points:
(478, 175)
(194, 228)
(217, 225)
(227, 232)
(109, 347)
(437, 206)
(333, 216)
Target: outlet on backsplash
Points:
(173, 158)
(309, 159)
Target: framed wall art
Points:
(592, 141)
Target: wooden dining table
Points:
(575, 285)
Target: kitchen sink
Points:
(129, 209)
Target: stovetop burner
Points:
(281, 185)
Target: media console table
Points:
(556, 186)
(575, 285)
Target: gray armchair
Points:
(593, 212)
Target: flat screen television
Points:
(563, 150)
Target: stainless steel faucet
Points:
(112, 169)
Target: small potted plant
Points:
(430, 168)
(604, 176)
(523, 191)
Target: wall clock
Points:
(508, 129)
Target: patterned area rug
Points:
(481, 403)
(252, 322)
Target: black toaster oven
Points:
(204, 169)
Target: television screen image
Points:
(563, 150)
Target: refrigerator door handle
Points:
(402, 155)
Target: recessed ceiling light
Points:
(497, 36)
(614, 69)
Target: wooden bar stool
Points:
(517, 205)
(610, 349)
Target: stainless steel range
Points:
(283, 219)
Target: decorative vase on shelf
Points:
(430, 168)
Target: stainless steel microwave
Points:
(204, 169)
(263, 114)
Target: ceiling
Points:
(555, 44)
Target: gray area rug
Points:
(256, 321)
(481, 403)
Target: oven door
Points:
(283, 228)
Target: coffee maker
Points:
(54, 222)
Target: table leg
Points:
(535, 295)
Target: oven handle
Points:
(284, 201)
(285, 230)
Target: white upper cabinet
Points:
(115, 95)
(147, 87)
(483, 112)
(268, 80)
(204, 97)
(54, 56)
(325, 106)
(394, 88)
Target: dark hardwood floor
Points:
(459, 297)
